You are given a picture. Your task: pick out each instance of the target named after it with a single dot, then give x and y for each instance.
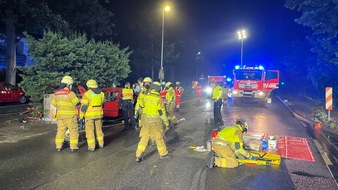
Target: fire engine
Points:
(221, 80)
(254, 83)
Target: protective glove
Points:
(167, 127)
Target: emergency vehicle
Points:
(221, 80)
(254, 83)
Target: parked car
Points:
(11, 93)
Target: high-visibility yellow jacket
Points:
(94, 102)
(234, 137)
(170, 95)
(153, 107)
(65, 102)
(217, 93)
(140, 97)
(127, 94)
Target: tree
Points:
(322, 17)
(83, 59)
(37, 16)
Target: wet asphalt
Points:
(34, 164)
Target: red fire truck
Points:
(254, 83)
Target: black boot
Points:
(211, 160)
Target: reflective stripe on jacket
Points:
(94, 103)
(154, 106)
(170, 95)
(234, 136)
(127, 94)
(217, 93)
(65, 102)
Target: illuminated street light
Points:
(242, 35)
(161, 73)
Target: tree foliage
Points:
(321, 16)
(83, 59)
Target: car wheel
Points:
(22, 100)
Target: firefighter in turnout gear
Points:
(144, 90)
(227, 145)
(153, 113)
(178, 93)
(92, 111)
(217, 97)
(127, 106)
(163, 91)
(170, 103)
(65, 102)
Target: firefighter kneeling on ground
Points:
(153, 115)
(227, 145)
(65, 101)
(92, 110)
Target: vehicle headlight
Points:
(208, 90)
(234, 92)
(260, 93)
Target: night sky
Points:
(214, 24)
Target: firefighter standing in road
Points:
(92, 110)
(198, 90)
(65, 102)
(217, 97)
(127, 106)
(227, 145)
(153, 113)
(163, 91)
(178, 92)
(145, 85)
(170, 103)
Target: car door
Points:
(112, 99)
(271, 80)
(13, 93)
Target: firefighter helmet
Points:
(163, 83)
(243, 124)
(147, 79)
(67, 80)
(156, 86)
(178, 83)
(168, 84)
(91, 83)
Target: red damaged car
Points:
(11, 93)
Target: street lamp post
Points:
(242, 35)
(161, 72)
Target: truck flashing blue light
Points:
(228, 79)
(260, 67)
(237, 67)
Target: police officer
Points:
(127, 106)
(153, 113)
(217, 98)
(92, 110)
(227, 145)
(65, 102)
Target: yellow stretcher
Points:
(262, 159)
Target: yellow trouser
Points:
(227, 158)
(92, 124)
(171, 114)
(62, 125)
(152, 128)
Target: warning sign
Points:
(295, 148)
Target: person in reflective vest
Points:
(217, 98)
(65, 102)
(178, 92)
(163, 91)
(127, 106)
(154, 114)
(170, 103)
(92, 104)
(145, 85)
(198, 90)
(228, 145)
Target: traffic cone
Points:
(318, 126)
